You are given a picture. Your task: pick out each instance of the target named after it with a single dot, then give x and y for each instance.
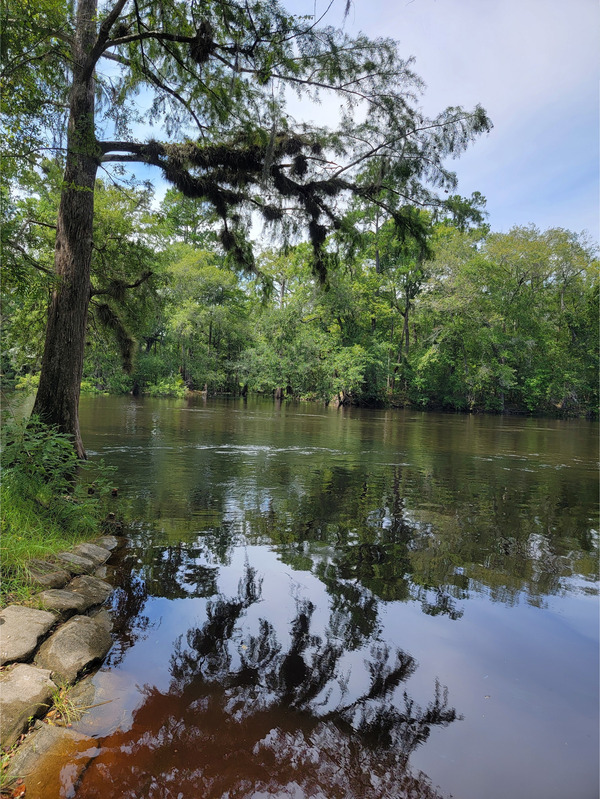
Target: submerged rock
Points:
(74, 647)
(25, 692)
(41, 760)
(20, 631)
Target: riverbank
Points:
(50, 500)
(47, 646)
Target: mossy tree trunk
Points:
(57, 400)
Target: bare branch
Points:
(37, 222)
(159, 36)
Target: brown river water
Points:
(347, 603)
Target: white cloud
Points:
(534, 65)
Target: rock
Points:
(103, 618)
(94, 590)
(51, 760)
(20, 631)
(97, 554)
(76, 564)
(112, 526)
(62, 601)
(107, 542)
(81, 593)
(76, 645)
(26, 692)
(46, 574)
(83, 694)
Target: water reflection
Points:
(470, 543)
(272, 713)
(437, 517)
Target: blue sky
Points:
(534, 65)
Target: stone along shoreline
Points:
(45, 646)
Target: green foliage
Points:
(127, 275)
(494, 322)
(228, 144)
(27, 383)
(47, 502)
(27, 238)
(498, 323)
(167, 387)
(33, 92)
(228, 141)
(467, 320)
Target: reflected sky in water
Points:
(309, 596)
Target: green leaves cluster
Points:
(33, 87)
(215, 77)
(508, 322)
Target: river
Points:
(347, 603)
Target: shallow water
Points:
(322, 603)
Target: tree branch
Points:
(31, 260)
(37, 222)
(120, 286)
(103, 34)
(158, 36)
(160, 85)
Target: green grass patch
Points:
(50, 501)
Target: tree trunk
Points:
(282, 294)
(57, 400)
(406, 328)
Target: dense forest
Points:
(287, 258)
(468, 320)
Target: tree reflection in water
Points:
(253, 718)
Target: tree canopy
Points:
(201, 91)
(214, 79)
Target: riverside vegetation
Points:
(366, 284)
(49, 501)
(287, 259)
(476, 320)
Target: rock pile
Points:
(60, 635)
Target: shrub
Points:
(27, 383)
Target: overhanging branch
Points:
(116, 287)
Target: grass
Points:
(49, 502)
(9, 786)
(64, 712)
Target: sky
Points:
(534, 65)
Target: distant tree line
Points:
(460, 318)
